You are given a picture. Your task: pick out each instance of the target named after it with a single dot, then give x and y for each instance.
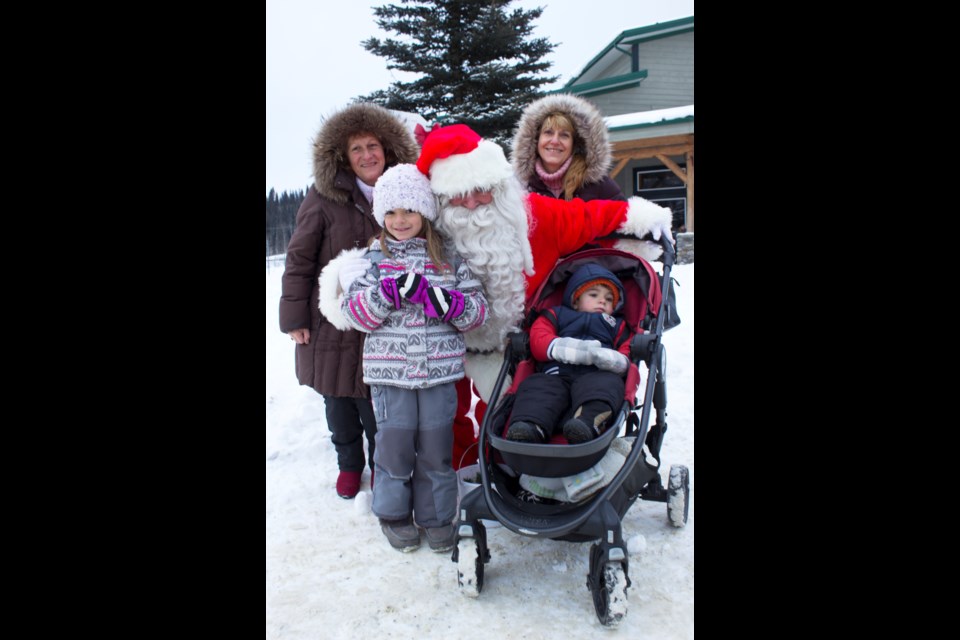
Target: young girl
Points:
(415, 304)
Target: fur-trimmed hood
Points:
(593, 143)
(329, 144)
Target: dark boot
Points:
(442, 538)
(401, 534)
(526, 432)
(587, 423)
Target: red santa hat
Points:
(458, 161)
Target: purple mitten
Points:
(390, 291)
(412, 286)
(443, 304)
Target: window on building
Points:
(661, 185)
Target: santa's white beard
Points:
(496, 248)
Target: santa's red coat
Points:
(560, 227)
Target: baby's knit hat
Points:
(590, 275)
(403, 186)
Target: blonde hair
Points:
(434, 244)
(574, 177)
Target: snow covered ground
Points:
(331, 574)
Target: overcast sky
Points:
(315, 63)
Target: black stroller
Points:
(597, 518)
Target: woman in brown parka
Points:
(351, 151)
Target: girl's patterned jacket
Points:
(406, 348)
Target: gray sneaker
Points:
(401, 534)
(442, 538)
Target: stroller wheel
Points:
(610, 598)
(678, 501)
(469, 567)
(608, 584)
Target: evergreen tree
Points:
(272, 220)
(281, 219)
(479, 66)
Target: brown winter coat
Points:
(334, 216)
(593, 145)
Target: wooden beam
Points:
(620, 165)
(673, 166)
(690, 191)
(653, 152)
(640, 143)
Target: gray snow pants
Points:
(414, 447)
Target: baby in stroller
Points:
(640, 299)
(582, 351)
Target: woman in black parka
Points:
(561, 149)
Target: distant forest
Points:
(281, 219)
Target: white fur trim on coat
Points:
(642, 217)
(462, 173)
(483, 369)
(645, 249)
(330, 294)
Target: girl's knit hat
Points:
(403, 186)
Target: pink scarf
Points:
(554, 181)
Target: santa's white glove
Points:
(661, 229)
(572, 350)
(611, 360)
(350, 270)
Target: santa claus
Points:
(509, 238)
